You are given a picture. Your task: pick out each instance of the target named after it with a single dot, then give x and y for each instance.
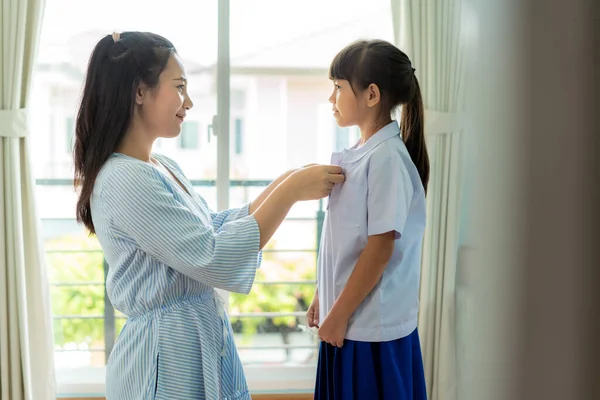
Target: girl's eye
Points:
(338, 87)
(181, 87)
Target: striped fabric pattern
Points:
(167, 252)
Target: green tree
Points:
(276, 297)
(75, 265)
(77, 274)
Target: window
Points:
(239, 144)
(190, 135)
(345, 137)
(209, 132)
(342, 138)
(70, 131)
(238, 99)
(280, 82)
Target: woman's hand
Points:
(313, 182)
(309, 183)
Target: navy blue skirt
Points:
(371, 370)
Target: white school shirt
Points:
(382, 193)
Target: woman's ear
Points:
(140, 94)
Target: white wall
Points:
(306, 133)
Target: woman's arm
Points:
(272, 211)
(142, 210)
(220, 218)
(265, 193)
(232, 214)
(256, 203)
(307, 183)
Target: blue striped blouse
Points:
(167, 252)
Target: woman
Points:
(166, 250)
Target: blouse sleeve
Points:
(223, 217)
(142, 209)
(218, 218)
(226, 216)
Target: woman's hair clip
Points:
(116, 36)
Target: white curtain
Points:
(26, 342)
(430, 32)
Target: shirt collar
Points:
(355, 153)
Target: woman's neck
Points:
(135, 144)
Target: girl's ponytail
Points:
(412, 126)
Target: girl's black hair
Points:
(378, 62)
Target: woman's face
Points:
(164, 108)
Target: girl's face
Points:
(348, 109)
(163, 109)
(345, 103)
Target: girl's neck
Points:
(369, 129)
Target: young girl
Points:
(366, 304)
(166, 250)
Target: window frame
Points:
(262, 379)
(90, 381)
(186, 132)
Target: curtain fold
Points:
(26, 340)
(432, 35)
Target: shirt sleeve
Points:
(142, 209)
(389, 195)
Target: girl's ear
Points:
(372, 95)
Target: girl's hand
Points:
(312, 314)
(333, 330)
(313, 182)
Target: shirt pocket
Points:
(349, 205)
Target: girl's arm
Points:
(367, 272)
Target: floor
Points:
(256, 397)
